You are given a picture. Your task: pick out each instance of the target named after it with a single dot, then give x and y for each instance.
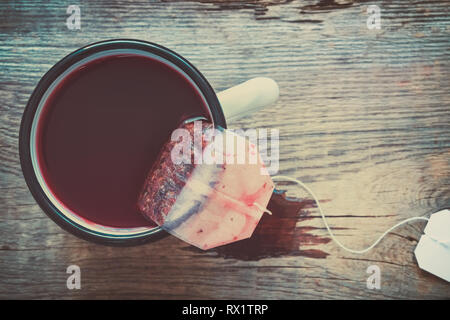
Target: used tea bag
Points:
(203, 191)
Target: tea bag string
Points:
(333, 237)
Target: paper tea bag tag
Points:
(433, 250)
(213, 201)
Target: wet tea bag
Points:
(208, 186)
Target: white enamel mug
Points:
(240, 100)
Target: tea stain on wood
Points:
(363, 118)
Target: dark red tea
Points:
(103, 126)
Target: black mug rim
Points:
(30, 110)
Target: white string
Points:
(328, 228)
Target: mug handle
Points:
(248, 97)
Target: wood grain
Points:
(363, 118)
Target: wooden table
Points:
(363, 118)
